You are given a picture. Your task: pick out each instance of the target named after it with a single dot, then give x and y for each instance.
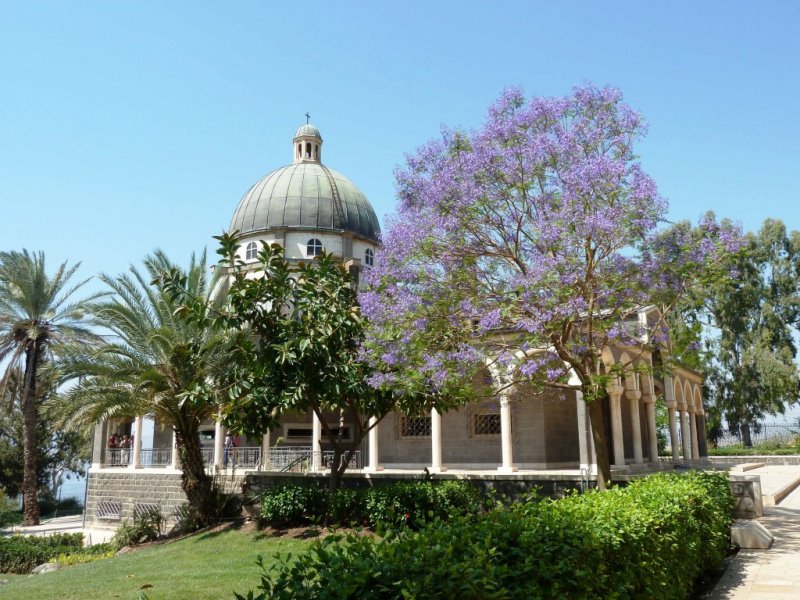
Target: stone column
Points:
(686, 435)
(695, 440)
(219, 445)
(374, 464)
(585, 446)
(99, 444)
(175, 461)
(652, 436)
(615, 395)
(316, 446)
(436, 443)
(136, 459)
(701, 431)
(265, 446)
(669, 399)
(636, 425)
(506, 445)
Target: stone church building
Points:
(306, 207)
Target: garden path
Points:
(772, 574)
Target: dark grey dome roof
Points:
(306, 195)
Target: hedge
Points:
(399, 504)
(20, 554)
(651, 539)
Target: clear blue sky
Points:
(126, 126)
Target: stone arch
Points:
(677, 387)
(698, 399)
(688, 395)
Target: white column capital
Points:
(633, 394)
(615, 390)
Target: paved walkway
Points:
(772, 574)
(71, 524)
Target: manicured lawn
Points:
(207, 566)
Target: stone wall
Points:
(127, 489)
(544, 434)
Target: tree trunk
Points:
(30, 417)
(597, 416)
(747, 438)
(196, 483)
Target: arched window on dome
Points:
(251, 252)
(314, 247)
(299, 150)
(308, 149)
(316, 151)
(369, 257)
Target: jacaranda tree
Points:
(525, 245)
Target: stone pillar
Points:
(136, 459)
(669, 399)
(585, 445)
(615, 395)
(265, 446)
(701, 429)
(219, 445)
(99, 444)
(436, 443)
(695, 440)
(316, 439)
(506, 445)
(652, 435)
(636, 425)
(374, 464)
(686, 436)
(175, 461)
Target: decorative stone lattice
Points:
(144, 508)
(109, 510)
(415, 426)
(486, 424)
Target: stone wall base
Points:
(113, 496)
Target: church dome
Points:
(306, 195)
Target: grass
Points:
(203, 567)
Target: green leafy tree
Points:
(59, 453)
(298, 347)
(40, 317)
(750, 325)
(156, 363)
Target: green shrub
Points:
(10, 517)
(85, 555)
(291, 504)
(399, 504)
(20, 554)
(146, 527)
(649, 540)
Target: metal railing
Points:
(155, 457)
(117, 457)
(208, 456)
(295, 459)
(329, 455)
(775, 433)
(243, 457)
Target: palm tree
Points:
(39, 318)
(155, 363)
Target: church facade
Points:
(306, 207)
